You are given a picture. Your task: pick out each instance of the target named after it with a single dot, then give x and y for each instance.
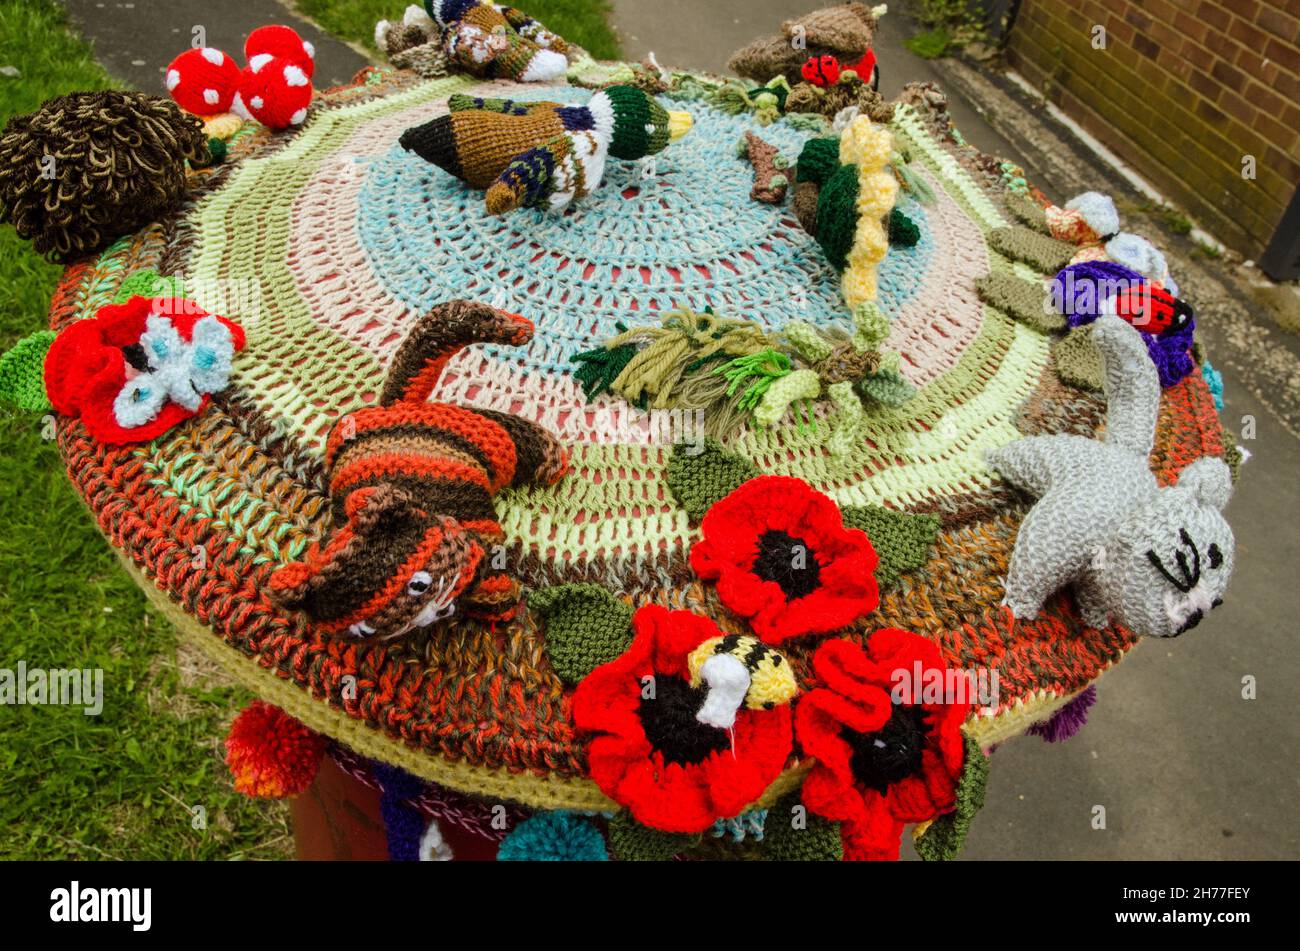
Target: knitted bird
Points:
(542, 154)
(499, 42)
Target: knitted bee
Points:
(412, 484)
(542, 154)
(739, 670)
(498, 41)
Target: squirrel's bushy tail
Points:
(438, 336)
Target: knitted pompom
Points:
(120, 165)
(554, 837)
(203, 81)
(275, 92)
(270, 754)
(280, 42)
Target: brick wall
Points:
(1182, 91)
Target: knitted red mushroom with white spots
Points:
(203, 81)
(274, 91)
(279, 42)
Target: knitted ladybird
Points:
(416, 537)
(203, 81)
(825, 70)
(138, 368)
(499, 42)
(280, 42)
(542, 154)
(275, 92)
(1150, 308)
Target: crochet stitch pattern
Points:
(347, 239)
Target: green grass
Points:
(585, 22)
(117, 785)
(929, 45)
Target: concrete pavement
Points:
(136, 40)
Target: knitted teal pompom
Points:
(554, 837)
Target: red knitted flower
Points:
(880, 764)
(136, 369)
(783, 559)
(270, 754)
(651, 753)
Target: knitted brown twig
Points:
(89, 167)
(771, 170)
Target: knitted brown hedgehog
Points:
(89, 167)
(412, 485)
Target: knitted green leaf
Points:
(149, 283)
(22, 372)
(902, 541)
(1037, 250)
(629, 841)
(699, 476)
(946, 834)
(790, 836)
(1027, 211)
(903, 231)
(586, 626)
(819, 160)
(1077, 361)
(837, 215)
(1022, 300)
(886, 386)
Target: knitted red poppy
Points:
(651, 754)
(880, 764)
(783, 559)
(93, 361)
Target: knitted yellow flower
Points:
(868, 146)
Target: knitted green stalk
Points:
(871, 327)
(797, 385)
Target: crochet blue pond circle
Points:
(674, 230)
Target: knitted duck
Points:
(499, 42)
(542, 154)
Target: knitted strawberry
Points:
(498, 41)
(543, 154)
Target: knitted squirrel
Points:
(411, 484)
(1153, 559)
(542, 154)
(499, 42)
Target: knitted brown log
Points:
(771, 170)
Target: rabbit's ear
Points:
(1210, 479)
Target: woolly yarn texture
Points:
(347, 239)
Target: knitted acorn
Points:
(499, 42)
(542, 154)
(88, 167)
(203, 81)
(412, 484)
